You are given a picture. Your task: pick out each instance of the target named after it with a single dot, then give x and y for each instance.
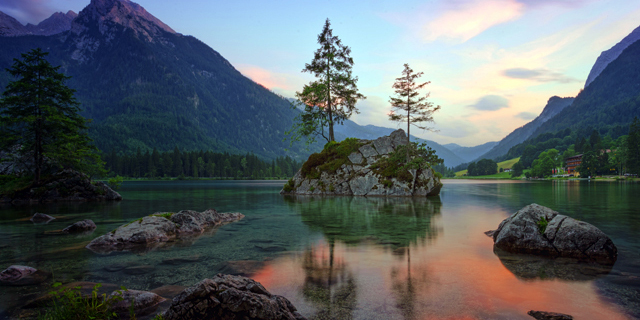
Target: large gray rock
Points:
(358, 174)
(22, 276)
(160, 227)
(563, 236)
(230, 297)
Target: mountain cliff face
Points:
(56, 23)
(612, 54)
(554, 106)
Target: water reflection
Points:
(531, 267)
(398, 222)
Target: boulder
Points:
(41, 218)
(159, 228)
(357, 167)
(22, 276)
(66, 185)
(80, 226)
(230, 297)
(535, 229)
(144, 302)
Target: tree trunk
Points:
(408, 127)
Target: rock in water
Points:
(543, 315)
(535, 229)
(230, 297)
(80, 226)
(22, 276)
(160, 227)
(358, 167)
(144, 302)
(41, 218)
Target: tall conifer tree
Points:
(408, 105)
(332, 98)
(39, 119)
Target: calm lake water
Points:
(351, 257)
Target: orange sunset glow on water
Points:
(454, 276)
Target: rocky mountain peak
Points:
(9, 26)
(608, 56)
(106, 14)
(56, 23)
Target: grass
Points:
(507, 164)
(542, 224)
(330, 159)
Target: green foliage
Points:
(482, 168)
(421, 157)
(408, 105)
(331, 99)
(70, 304)
(10, 184)
(331, 158)
(40, 120)
(166, 215)
(115, 182)
(288, 187)
(517, 170)
(633, 147)
(542, 224)
(545, 163)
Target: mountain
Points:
(146, 86)
(469, 154)
(56, 23)
(554, 106)
(612, 54)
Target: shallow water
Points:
(351, 257)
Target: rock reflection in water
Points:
(530, 267)
(398, 222)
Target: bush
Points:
(70, 304)
(115, 182)
(288, 187)
(332, 157)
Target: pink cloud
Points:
(282, 83)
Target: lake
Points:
(350, 257)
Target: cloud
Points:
(540, 75)
(465, 20)
(282, 83)
(526, 115)
(491, 103)
(27, 11)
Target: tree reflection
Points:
(398, 222)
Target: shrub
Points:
(542, 224)
(115, 182)
(288, 187)
(70, 304)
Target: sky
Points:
(492, 64)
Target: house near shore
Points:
(573, 163)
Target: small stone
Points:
(144, 302)
(80, 226)
(543, 315)
(22, 276)
(41, 218)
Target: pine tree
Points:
(633, 147)
(332, 98)
(39, 118)
(411, 108)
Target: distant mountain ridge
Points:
(57, 23)
(470, 153)
(610, 55)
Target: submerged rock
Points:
(143, 302)
(543, 315)
(160, 227)
(22, 276)
(80, 226)
(230, 297)
(358, 167)
(535, 229)
(41, 218)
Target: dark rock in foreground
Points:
(358, 170)
(535, 229)
(160, 227)
(41, 218)
(230, 297)
(66, 185)
(80, 226)
(543, 315)
(22, 276)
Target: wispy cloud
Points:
(490, 103)
(27, 11)
(282, 83)
(540, 75)
(526, 115)
(467, 19)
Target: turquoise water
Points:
(350, 257)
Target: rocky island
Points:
(366, 168)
